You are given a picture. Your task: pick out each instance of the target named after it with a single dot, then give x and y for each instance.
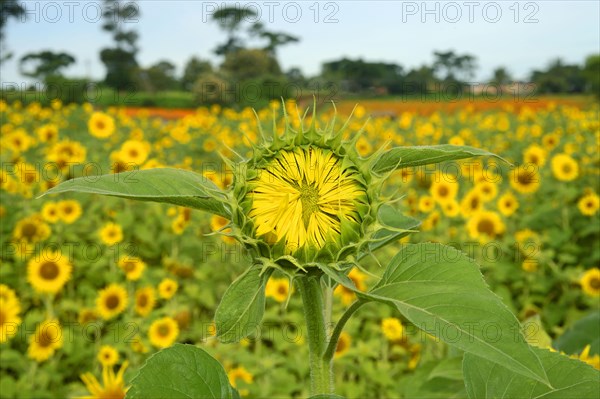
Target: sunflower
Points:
(588, 204)
(443, 191)
(564, 168)
(530, 265)
(48, 272)
(551, 140)
(584, 356)
(31, 230)
(278, 289)
(219, 224)
(426, 204)
(113, 385)
(392, 329)
(9, 318)
(132, 266)
(306, 198)
(69, 211)
(47, 339)
(590, 282)
(108, 356)
(87, 315)
(17, 141)
(451, 209)
(163, 332)
(536, 155)
(525, 179)
(343, 344)
(111, 301)
(508, 204)
(101, 125)
(134, 152)
(65, 153)
(111, 234)
(358, 278)
(487, 189)
(485, 225)
(7, 294)
(239, 373)
(145, 298)
(167, 288)
(471, 203)
(47, 132)
(50, 212)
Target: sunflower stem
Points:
(321, 372)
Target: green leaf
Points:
(534, 332)
(404, 157)
(441, 291)
(242, 306)
(181, 371)
(569, 379)
(172, 186)
(450, 368)
(583, 332)
(327, 396)
(399, 225)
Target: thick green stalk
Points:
(321, 373)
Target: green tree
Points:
(161, 76)
(44, 64)
(230, 19)
(120, 61)
(500, 76)
(250, 64)
(559, 78)
(8, 9)
(193, 69)
(591, 73)
(451, 67)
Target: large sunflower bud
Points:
(303, 198)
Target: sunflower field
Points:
(92, 286)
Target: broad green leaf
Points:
(583, 332)
(404, 157)
(422, 383)
(169, 185)
(569, 379)
(181, 371)
(450, 368)
(441, 291)
(399, 225)
(242, 306)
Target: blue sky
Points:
(518, 35)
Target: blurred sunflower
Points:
(31, 230)
(47, 132)
(358, 278)
(471, 203)
(392, 329)
(111, 233)
(508, 204)
(564, 168)
(111, 301)
(278, 289)
(9, 318)
(485, 226)
(163, 332)
(101, 125)
(451, 208)
(443, 190)
(134, 152)
(487, 189)
(50, 212)
(132, 266)
(239, 373)
(584, 356)
(534, 154)
(426, 204)
(588, 204)
(47, 339)
(525, 179)
(145, 298)
(113, 385)
(108, 355)
(343, 345)
(167, 288)
(49, 271)
(590, 282)
(69, 211)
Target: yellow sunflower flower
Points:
(343, 345)
(392, 329)
(471, 203)
(145, 298)
(113, 386)
(536, 155)
(304, 198)
(485, 226)
(101, 125)
(31, 230)
(9, 318)
(443, 190)
(50, 212)
(108, 355)
(451, 209)
(132, 266)
(508, 204)
(584, 356)
(69, 211)
(111, 234)
(111, 301)
(564, 168)
(47, 132)
(239, 373)
(47, 339)
(525, 179)
(589, 204)
(167, 288)
(426, 204)
(590, 282)
(49, 271)
(278, 289)
(487, 189)
(163, 332)
(134, 152)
